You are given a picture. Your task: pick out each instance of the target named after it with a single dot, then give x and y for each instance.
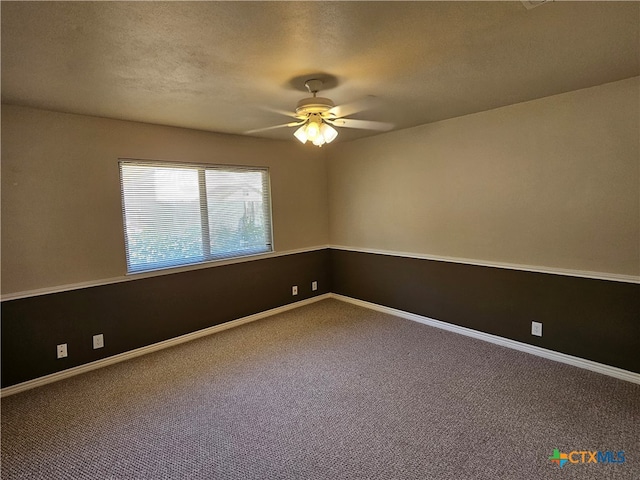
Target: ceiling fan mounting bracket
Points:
(313, 85)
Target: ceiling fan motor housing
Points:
(311, 105)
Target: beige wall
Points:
(550, 183)
(61, 208)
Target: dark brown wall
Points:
(593, 319)
(137, 313)
(597, 320)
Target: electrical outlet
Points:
(314, 286)
(536, 329)
(98, 341)
(294, 290)
(61, 350)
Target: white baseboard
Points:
(121, 357)
(505, 342)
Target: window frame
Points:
(208, 257)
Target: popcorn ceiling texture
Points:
(216, 65)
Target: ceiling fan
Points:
(316, 117)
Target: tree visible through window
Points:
(179, 214)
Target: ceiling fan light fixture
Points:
(317, 131)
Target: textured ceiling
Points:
(219, 66)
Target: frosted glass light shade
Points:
(313, 130)
(319, 140)
(328, 132)
(301, 134)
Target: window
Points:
(181, 214)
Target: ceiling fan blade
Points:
(350, 108)
(290, 124)
(362, 124)
(286, 113)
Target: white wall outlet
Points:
(98, 341)
(314, 286)
(294, 290)
(61, 350)
(536, 329)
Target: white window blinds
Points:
(179, 214)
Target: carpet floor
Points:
(326, 391)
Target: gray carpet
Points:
(326, 391)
